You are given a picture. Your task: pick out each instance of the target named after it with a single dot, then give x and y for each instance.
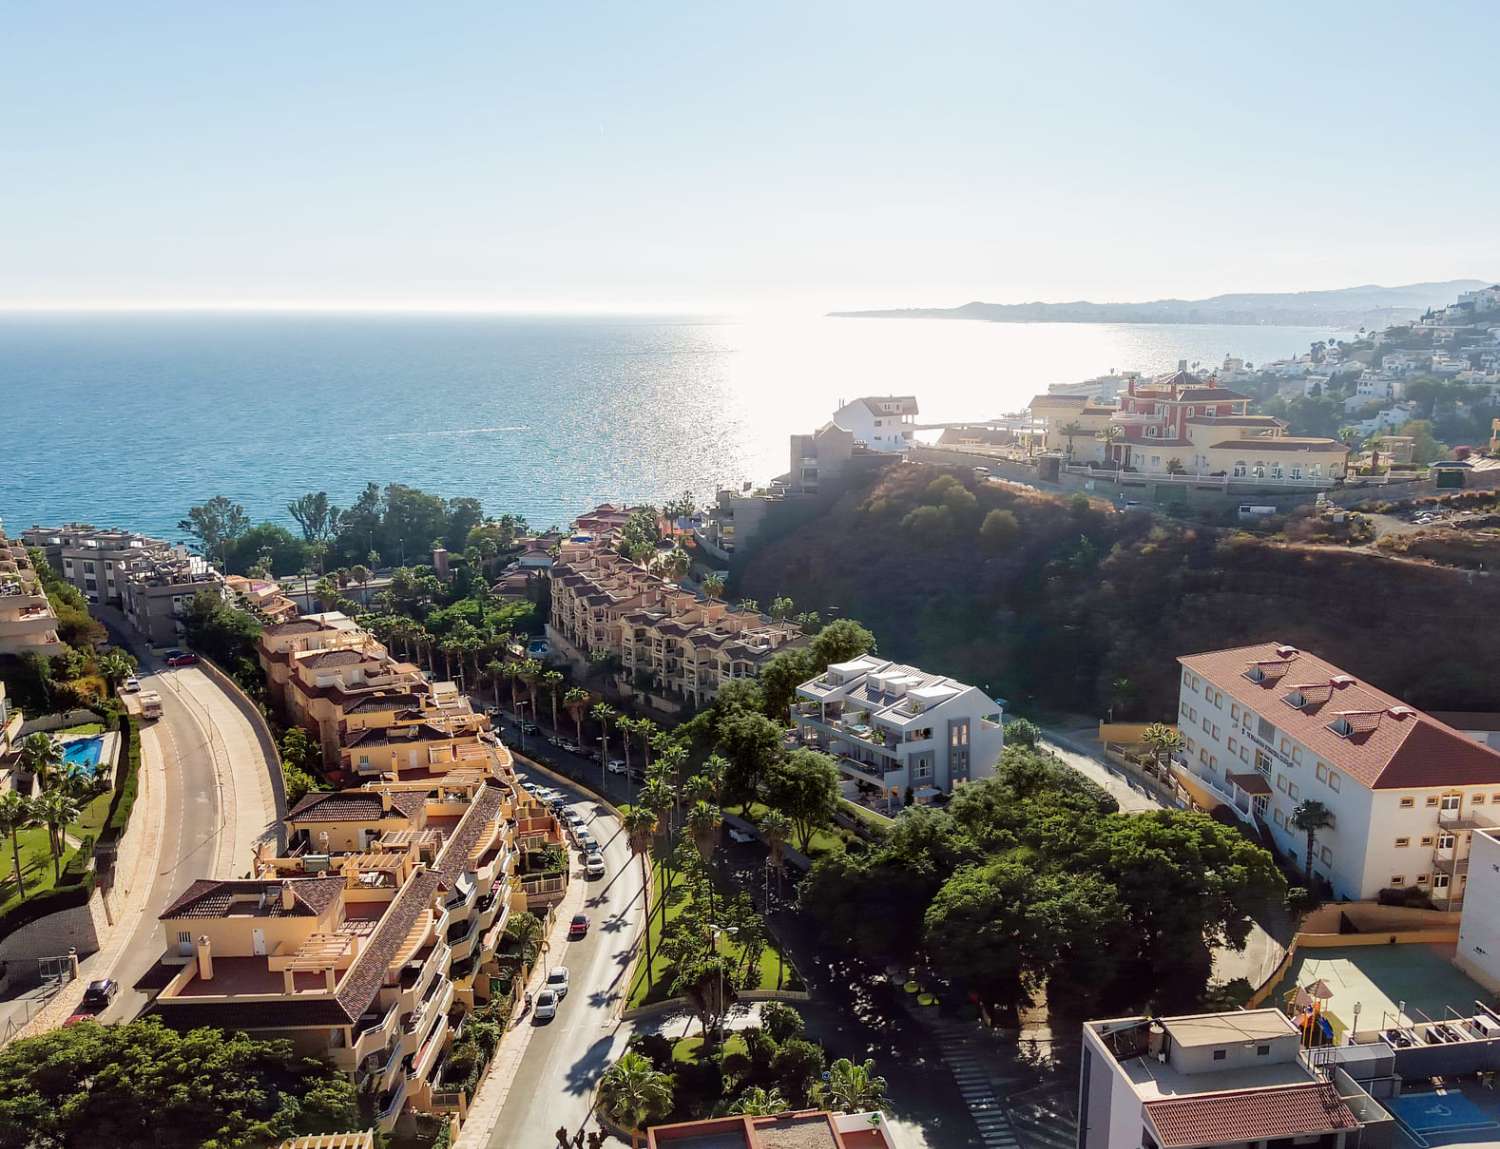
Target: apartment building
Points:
(802, 1129)
(367, 942)
(416, 734)
(684, 647)
(897, 728)
(1214, 1079)
(27, 622)
(159, 590)
(262, 598)
(1268, 726)
(880, 422)
(11, 719)
(94, 559)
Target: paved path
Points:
(1084, 754)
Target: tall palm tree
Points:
(530, 675)
(575, 702)
(647, 730)
(675, 563)
(42, 757)
(1071, 431)
(852, 1088)
(713, 586)
(776, 829)
(703, 822)
(1310, 816)
(640, 828)
(760, 1102)
(512, 674)
(116, 666)
(1111, 434)
(634, 1092)
(423, 639)
(16, 814)
(552, 683)
(496, 670)
(626, 726)
(603, 713)
(56, 809)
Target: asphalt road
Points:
(554, 1084)
(194, 823)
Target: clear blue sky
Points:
(644, 155)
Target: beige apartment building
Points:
(262, 598)
(416, 735)
(370, 940)
(27, 622)
(685, 645)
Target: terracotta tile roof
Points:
(1392, 745)
(280, 1013)
(1283, 443)
(361, 983)
(399, 701)
(210, 898)
(338, 806)
(397, 735)
(455, 856)
(1249, 1115)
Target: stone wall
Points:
(246, 706)
(81, 926)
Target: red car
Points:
(181, 658)
(578, 927)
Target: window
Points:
(1184, 708)
(1408, 803)
(1421, 879)
(1232, 747)
(1187, 680)
(1445, 841)
(1281, 782)
(1277, 818)
(1327, 855)
(1426, 840)
(1333, 781)
(1296, 756)
(1245, 755)
(1216, 732)
(1321, 772)
(1262, 1051)
(1477, 799)
(1207, 726)
(1292, 791)
(1234, 711)
(1402, 843)
(1220, 1054)
(1451, 802)
(1431, 801)
(1285, 747)
(1263, 762)
(1398, 879)
(1342, 727)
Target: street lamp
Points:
(521, 721)
(715, 930)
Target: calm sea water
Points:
(128, 420)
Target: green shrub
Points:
(126, 781)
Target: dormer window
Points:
(1296, 699)
(1255, 674)
(1342, 727)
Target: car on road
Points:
(616, 766)
(96, 999)
(530, 728)
(572, 817)
(578, 927)
(130, 685)
(546, 1006)
(586, 842)
(593, 866)
(570, 747)
(180, 658)
(557, 982)
(738, 835)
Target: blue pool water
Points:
(83, 752)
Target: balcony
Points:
(871, 773)
(426, 1055)
(373, 1031)
(388, 1107)
(1464, 820)
(378, 1070)
(461, 939)
(424, 1009)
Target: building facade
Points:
(1269, 726)
(880, 422)
(899, 729)
(28, 624)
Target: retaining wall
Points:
(246, 706)
(48, 722)
(54, 934)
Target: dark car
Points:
(578, 927)
(180, 658)
(530, 728)
(96, 1000)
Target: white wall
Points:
(1479, 930)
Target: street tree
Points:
(804, 785)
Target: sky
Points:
(643, 156)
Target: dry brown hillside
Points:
(1063, 605)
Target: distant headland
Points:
(1350, 307)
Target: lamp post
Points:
(715, 930)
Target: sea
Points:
(128, 419)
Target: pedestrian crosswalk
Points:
(975, 1087)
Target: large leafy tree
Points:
(144, 1084)
(751, 742)
(317, 518)
(216, 524)
(804, 785)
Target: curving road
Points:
(554, 1083)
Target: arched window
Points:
(1239, 468)
(1315, 471)
(1260, 469)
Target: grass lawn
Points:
(95, 814)
(36, 864)
(774, 972)
(686, 1049)
(824, 841)
(79, 731)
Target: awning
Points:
(1252, 782)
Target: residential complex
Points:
(805, 1129)
(370, 939)
(1236, 1078)
(373, 715)
(262, 598)
(880, 422)
(27, 622)
(672, 644)
(150, 580)
(1182, 423)
(897, 728)
(1268, 726)
(11, 719)
(1478, 953)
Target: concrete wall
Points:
(51, 936)
(258, 724)
(58, 721)
(1479, 932)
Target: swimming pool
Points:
(84, 754)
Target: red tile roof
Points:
(211, 898)
(1249, 1115)
(1393, 746)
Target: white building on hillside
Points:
(896, 728)
(1269, 726)
(880, 422)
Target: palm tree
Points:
(56, 809)
(626, 727)
(41, 756)
(361, 574)
(575, 702)
(647, 731)
(1071, 431)
(703, 822)
(1111, 434)
(634, 1092)
(713, 586)
(1310, 816)
(603, 713)
(116, 666)
(422, 637)
(675, 563)
(853, 1088)
(759, 1102)
(552, 683)
(496, 670)
(640, 828)
(16, 814)
(512, 672)
(530, 674)
(776, 829)
(1164, 742)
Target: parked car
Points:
(557, 981)
(96, 1000)
(593, 866)
(738, 835)
(578, 927)
(530, 728)
(572, 817)
(616, 766)
(546, 1006)
(586, 842)
(130, 685)
(180, 658)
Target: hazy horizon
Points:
(659, 159)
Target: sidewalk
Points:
(126, 904)
(488, 1102)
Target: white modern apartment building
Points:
(880, 422)
(1478, 953)
(895, 727)
(1269, 726)
(1215, 1079)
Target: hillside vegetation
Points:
(1063, 604)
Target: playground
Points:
(1378, 979)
